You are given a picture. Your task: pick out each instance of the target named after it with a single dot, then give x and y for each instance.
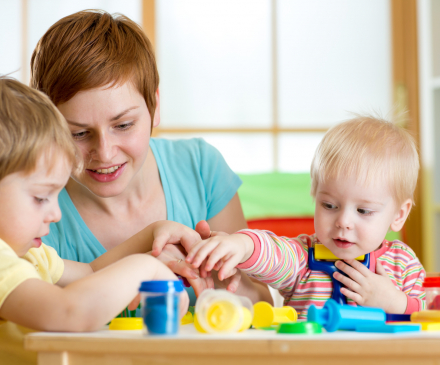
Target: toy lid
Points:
(161, 286)
(432, 282)
(133, 323)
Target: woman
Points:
(101, 73)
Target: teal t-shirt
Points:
(196, 181)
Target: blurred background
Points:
(262, 80)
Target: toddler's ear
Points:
(401, 215)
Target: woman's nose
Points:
(103, 149)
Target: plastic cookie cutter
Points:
(266, 315)
(322, 259)
(219, 311)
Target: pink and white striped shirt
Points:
(282, 263)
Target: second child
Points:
(363, 174)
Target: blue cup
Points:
(160, 306)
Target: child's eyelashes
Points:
(39, 200)
(328, 206)
(365, 211)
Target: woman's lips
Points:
(108, 177)
(342, 243)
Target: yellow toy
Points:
(219, 311)
(426, 316)
(187, 318)
(265, 315)
(126, 324)
(323, 253)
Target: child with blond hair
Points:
(363, 174)
(38, 289)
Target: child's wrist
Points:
(248, 243)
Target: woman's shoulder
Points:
(184, 155)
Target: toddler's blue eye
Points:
(39, 200)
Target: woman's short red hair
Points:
(91, 49)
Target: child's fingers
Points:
(218, 265)
(365, 271)
(350, 271)
(190, 239)
(217, 255)
(349, 283)
(203, 252)
(352, 295)
(381, 271)
(194, 250)
(234, 282)
(228, 269)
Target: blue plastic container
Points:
(160, 306)
(335, 316)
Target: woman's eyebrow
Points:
(120, 115)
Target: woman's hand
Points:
(169, 232)
(173, 257)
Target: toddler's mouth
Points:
(342, 243)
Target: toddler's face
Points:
(351, 219)
(29, 203)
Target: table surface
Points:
(250, 347)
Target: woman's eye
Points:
(79, 135)
(365, 211)
(124, 126)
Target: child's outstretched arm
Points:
(221, 253)
(159, 233)
(86, 304)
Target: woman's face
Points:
(111, 126)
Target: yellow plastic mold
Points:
(126, 324)
(265, 315)
(323, 253)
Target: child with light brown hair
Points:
(38, 289)
(364, 173)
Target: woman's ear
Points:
(401, 216)
(156, 119)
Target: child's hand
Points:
(174, 259)
(222, 253)
(174, 233)
(369, 289)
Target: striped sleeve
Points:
(407, 273)
(280, 261)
